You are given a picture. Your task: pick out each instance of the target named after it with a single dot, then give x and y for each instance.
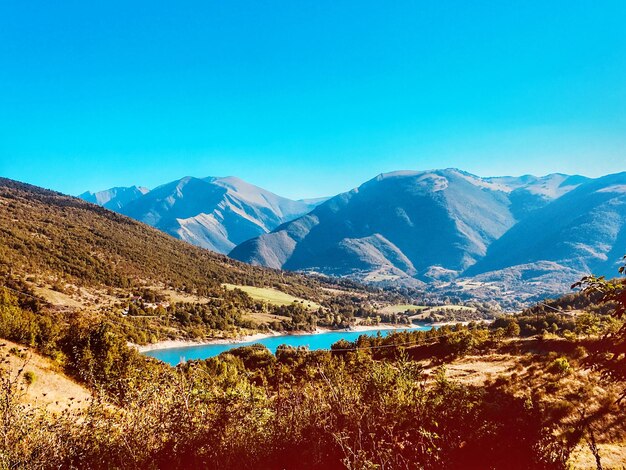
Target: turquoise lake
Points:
(174, 356)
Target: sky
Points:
(308, 98)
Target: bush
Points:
(29, 378)
(560, 366)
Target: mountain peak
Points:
(213, 212)
(114, 198)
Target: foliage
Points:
(298, 410)
(608, 355)
(29, 377)
(560, 366)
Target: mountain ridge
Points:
(436, 229)
(216, 213)
(469, 210)
(114, 198)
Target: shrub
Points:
(29, 377)
(560, 366)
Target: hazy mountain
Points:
(115, 198)
(528, 193)
(214, 213)
(448, 228)
(582, 231)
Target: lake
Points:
(314, 341)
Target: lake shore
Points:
(181, 343)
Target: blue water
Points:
(175, 356)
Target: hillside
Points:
(45, 385)
(528, 193)
(48, 234)
(583, 231)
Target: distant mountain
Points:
(214, 213)
(421, 225)
(115, 198)
(528, 193)
(582, 231)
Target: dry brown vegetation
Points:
(45, 385)
(552, 373)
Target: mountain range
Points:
(213, 213)
(114, 198)
(451, 230)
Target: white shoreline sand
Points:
(181, 343)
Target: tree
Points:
(608, 355)
(512, 329)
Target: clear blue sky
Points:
(308, 98)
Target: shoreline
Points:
(183, 343)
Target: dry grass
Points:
(612, 456)
(58, 299)
(75, 298)
(525, 374)
(476, 370)
(176, 296)
(50, 389)
(262, 317)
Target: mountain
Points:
(115, 198)
(441, 227)
(459, 233)
(406, 224)
(583, 231)
(213, 213)
(528, 193)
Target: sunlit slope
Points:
(214, 213)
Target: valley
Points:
(312, 235)
(122, 332)
(77, 257)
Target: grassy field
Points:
(422, 311)
(273, 296)
(401, 308)
(57, 298)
